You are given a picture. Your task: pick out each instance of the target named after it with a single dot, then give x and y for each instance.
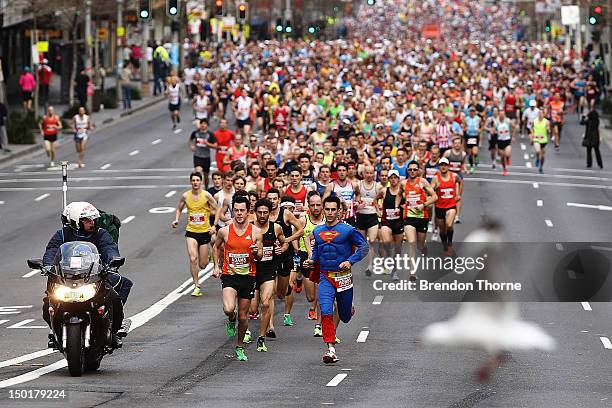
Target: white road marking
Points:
(1, 202)
(586, 306)
(31, 273)
(170, 194)
(134, 153)
(378, 300)
(601, 248)
(137, 321)
(4, 321)
(536, 185)
(539, 203)
(106, 166)
(336, 380)
(363, 336)
(346, 369)
(156, 141)
(559, 246)
(596, 207)
(22, 325)
(29, 166)
(523, 146)
(162, 210)
(526, 156)
(42, 197)
(13, 309)
(27, 357)
(177, 131)
(606, 342)
(128, 219)
(548, 223)
(528, 164)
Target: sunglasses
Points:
(413, 169)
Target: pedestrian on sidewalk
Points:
(80, 86)
(44, 76)
(81, 125)
(27, 83)
(126, 85)
(591, 137)
(49, 126)
(3, 135)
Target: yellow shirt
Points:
(198, 212)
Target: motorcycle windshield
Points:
(78, 258)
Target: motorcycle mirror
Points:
(116, 262)
(35, 263)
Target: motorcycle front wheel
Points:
(74, 350)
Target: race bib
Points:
(343, 282)
(268, 253)
(367, 201)
(239, 264)
(392, 213)
(447, 192)
(200, 142)
(197, 219)
(472, 141)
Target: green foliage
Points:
(20, 128)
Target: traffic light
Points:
(371, 2)
(242, 11)
(279, 25)
(144, 10)
(173, 8)
(547, 28)
(288, 28)
(311, 29)
(218, 7)
(595, 15)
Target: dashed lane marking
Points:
(31, 273)
(536, 185)
(523, 146)
(559, 246)
(526, 156)
(548, 223)
(27, 357)
(528, 164)
(336, 380)
(134, 153)
(42, 197)
(177, 131)
(128, 219)
(170, 194)
(106, 166)
(363, 336)
(586, 306)
(1, 202)
(601, 248)
(156, 141)
(606, 342)
(539, 203)
(22, 325)
(4, 321)
(378, 300)
(595, 207)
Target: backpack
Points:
(110, 223)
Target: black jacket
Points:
(107, 247)
(591, 133)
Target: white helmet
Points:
(74, 212)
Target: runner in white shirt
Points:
(242, 111)
(174, 100)
(81, 125)
(201, 103)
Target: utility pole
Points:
(88, 52)
(144, 67)
(119, 50)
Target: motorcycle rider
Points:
(78, 224)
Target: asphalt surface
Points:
(182, 356)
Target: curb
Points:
(4, 159)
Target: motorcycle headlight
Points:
(80, 294)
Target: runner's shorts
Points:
(502, 144)
(203, 162)
(244, 285)
(396, 226)
(366, 221)
(420, 224)
(202, 238)
(265, 275)
(441, 212)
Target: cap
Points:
(444, 160)
(346, 121)
(394, 173)
(533, 103)
(287, 201)
(379, 126)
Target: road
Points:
(180, 353)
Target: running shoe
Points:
(196, 292)
(368, 272)
(240, 356)
(254, 316)
(556, 148)
(505, 173)
(287, 320)
(537, 162)
(298, 285)
(387, 271)
(435, 236)
(312, 314)
(508, 161)
(540, 170)
(330, 357)
(173, 126)
(337, 340)
(472, 169)
(317, 332)
(457, 220)
(230, 328)
(412, 277)
(271, 334)
(493, 166)
(261, 344)
(248, 338)
(476, 161)
(395, 276)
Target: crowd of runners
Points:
(321, 147)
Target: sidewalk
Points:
(101, 120)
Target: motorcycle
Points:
(80, 304)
